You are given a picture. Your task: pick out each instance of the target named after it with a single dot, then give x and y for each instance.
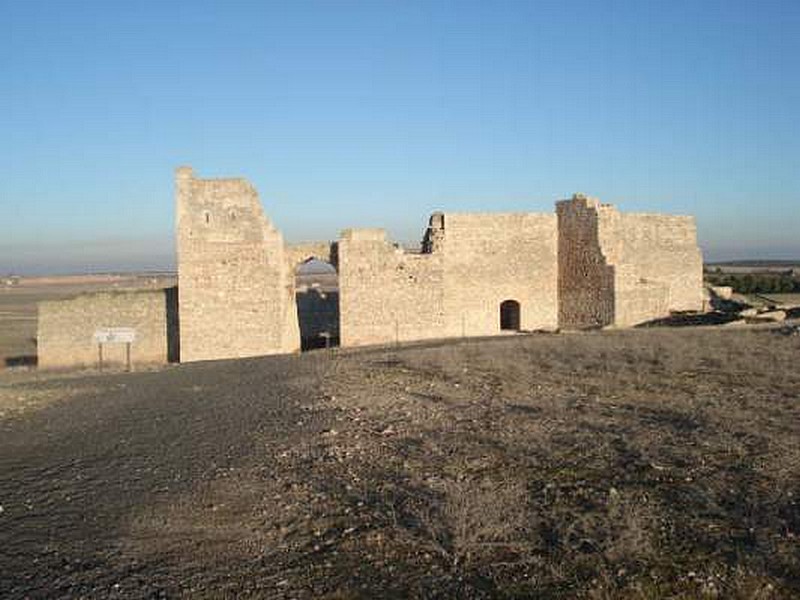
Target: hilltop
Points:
(636, 464)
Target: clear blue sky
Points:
(377, 113)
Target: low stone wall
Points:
(66, 328)
(386, 294)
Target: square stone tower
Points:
(236, 291)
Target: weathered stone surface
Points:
(725, 292)
(66, 328)
(586, 266)
(624, 269)
(469, 265)
(736, 323)
(386, 294)
(236, 288)
(771, 315)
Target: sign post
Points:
(327, 337)
(114, 335)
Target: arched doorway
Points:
(317, 295)
(509, 315)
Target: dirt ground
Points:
(784, 299)
(639, 464)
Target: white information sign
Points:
(115, 335)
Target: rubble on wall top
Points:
(363, 233)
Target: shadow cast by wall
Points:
(24, 360)
(173, 325)
(691, 320)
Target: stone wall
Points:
(585, 278)
(660, 267)
(586, 266)
(66, 328)
(623, 269)
(469, 264)
(236, 284)
(490, 258)
(386, 294)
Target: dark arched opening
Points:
(509, 315)
(317, 285)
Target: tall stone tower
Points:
(236, 290)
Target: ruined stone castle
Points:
(586, 266)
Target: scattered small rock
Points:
(771, 315)
(736, 323)
(788, 330)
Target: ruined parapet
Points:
(434, 235)
(473, 275)
(623, 269)
(236, 287)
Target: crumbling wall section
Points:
(585, 277)
(387, 295)
(623, 269)
(236, 287)
(469, 265)
(66, 328)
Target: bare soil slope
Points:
(638, 464)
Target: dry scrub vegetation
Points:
(639, 465)
(632, 464)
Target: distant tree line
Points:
(757, 283)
